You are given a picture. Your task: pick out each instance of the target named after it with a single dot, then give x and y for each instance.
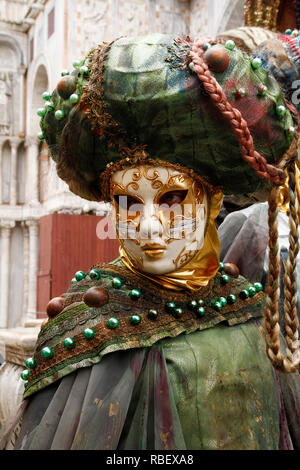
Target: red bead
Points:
(261, 89)
(232, 269)
(55, 306)
(95, 297)
(66, 86)
(217, 58)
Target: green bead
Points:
(47, 352)
(69, 343)
(288, 31)
(49, 106)
(217, 306)
(192, 304)
(280, 110)
(25, 374)
(113, 323)
(65, 72)
(222, 301)
(258, 286)
(244, 294)
(41, 112)
(41, 136)
(25, 384)
(30, 363)
(200, 311)
(74, 98)
(222, 267)
(153, 314)
(59, 114)
(256, 63)
(79, 275)
(291, 130)
(135, 294)
(224, 279)
(46, 96)
(231, 299)
(206, 46)
(76, 64)
(117, 282)
(230, 45)
(89, 333)
(200, 303)
(177, 312)
(170, 306)
(84, 69)
(252, 291)
(135, 319)
(94, 274)
(73, 280)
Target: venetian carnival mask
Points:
(160, 216)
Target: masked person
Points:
(161, 349)
(247, 225)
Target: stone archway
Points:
(21, 173)
(40, 84)
(11, 43)
(5, 173)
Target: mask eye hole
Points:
(173, 197)
(126, 202)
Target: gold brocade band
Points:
(201, 268)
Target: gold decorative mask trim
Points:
(201, 268)
(139, 156)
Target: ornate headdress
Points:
(207, 107)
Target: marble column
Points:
(1, 147)
(13, 172)
(6, 227)
(21, 75)
(26, 270)
(33, 226)
(32, 144)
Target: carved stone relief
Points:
(5, 102)
(94, 22)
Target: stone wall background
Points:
(39, 39)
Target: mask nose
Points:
(150, 226)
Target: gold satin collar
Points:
(201, 268)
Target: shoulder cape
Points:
(77, 316)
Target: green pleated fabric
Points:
(211, 389)
(224, 389)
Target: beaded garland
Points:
(198, 307)
(77, 79)
(291, 43)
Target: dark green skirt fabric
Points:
(211, 389)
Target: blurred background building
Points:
(46, 232)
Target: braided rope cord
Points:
(272, 329)
(274, 174)
(240, 127)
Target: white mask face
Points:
(160, 217)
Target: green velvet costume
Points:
(192, 382)
(179, 379)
